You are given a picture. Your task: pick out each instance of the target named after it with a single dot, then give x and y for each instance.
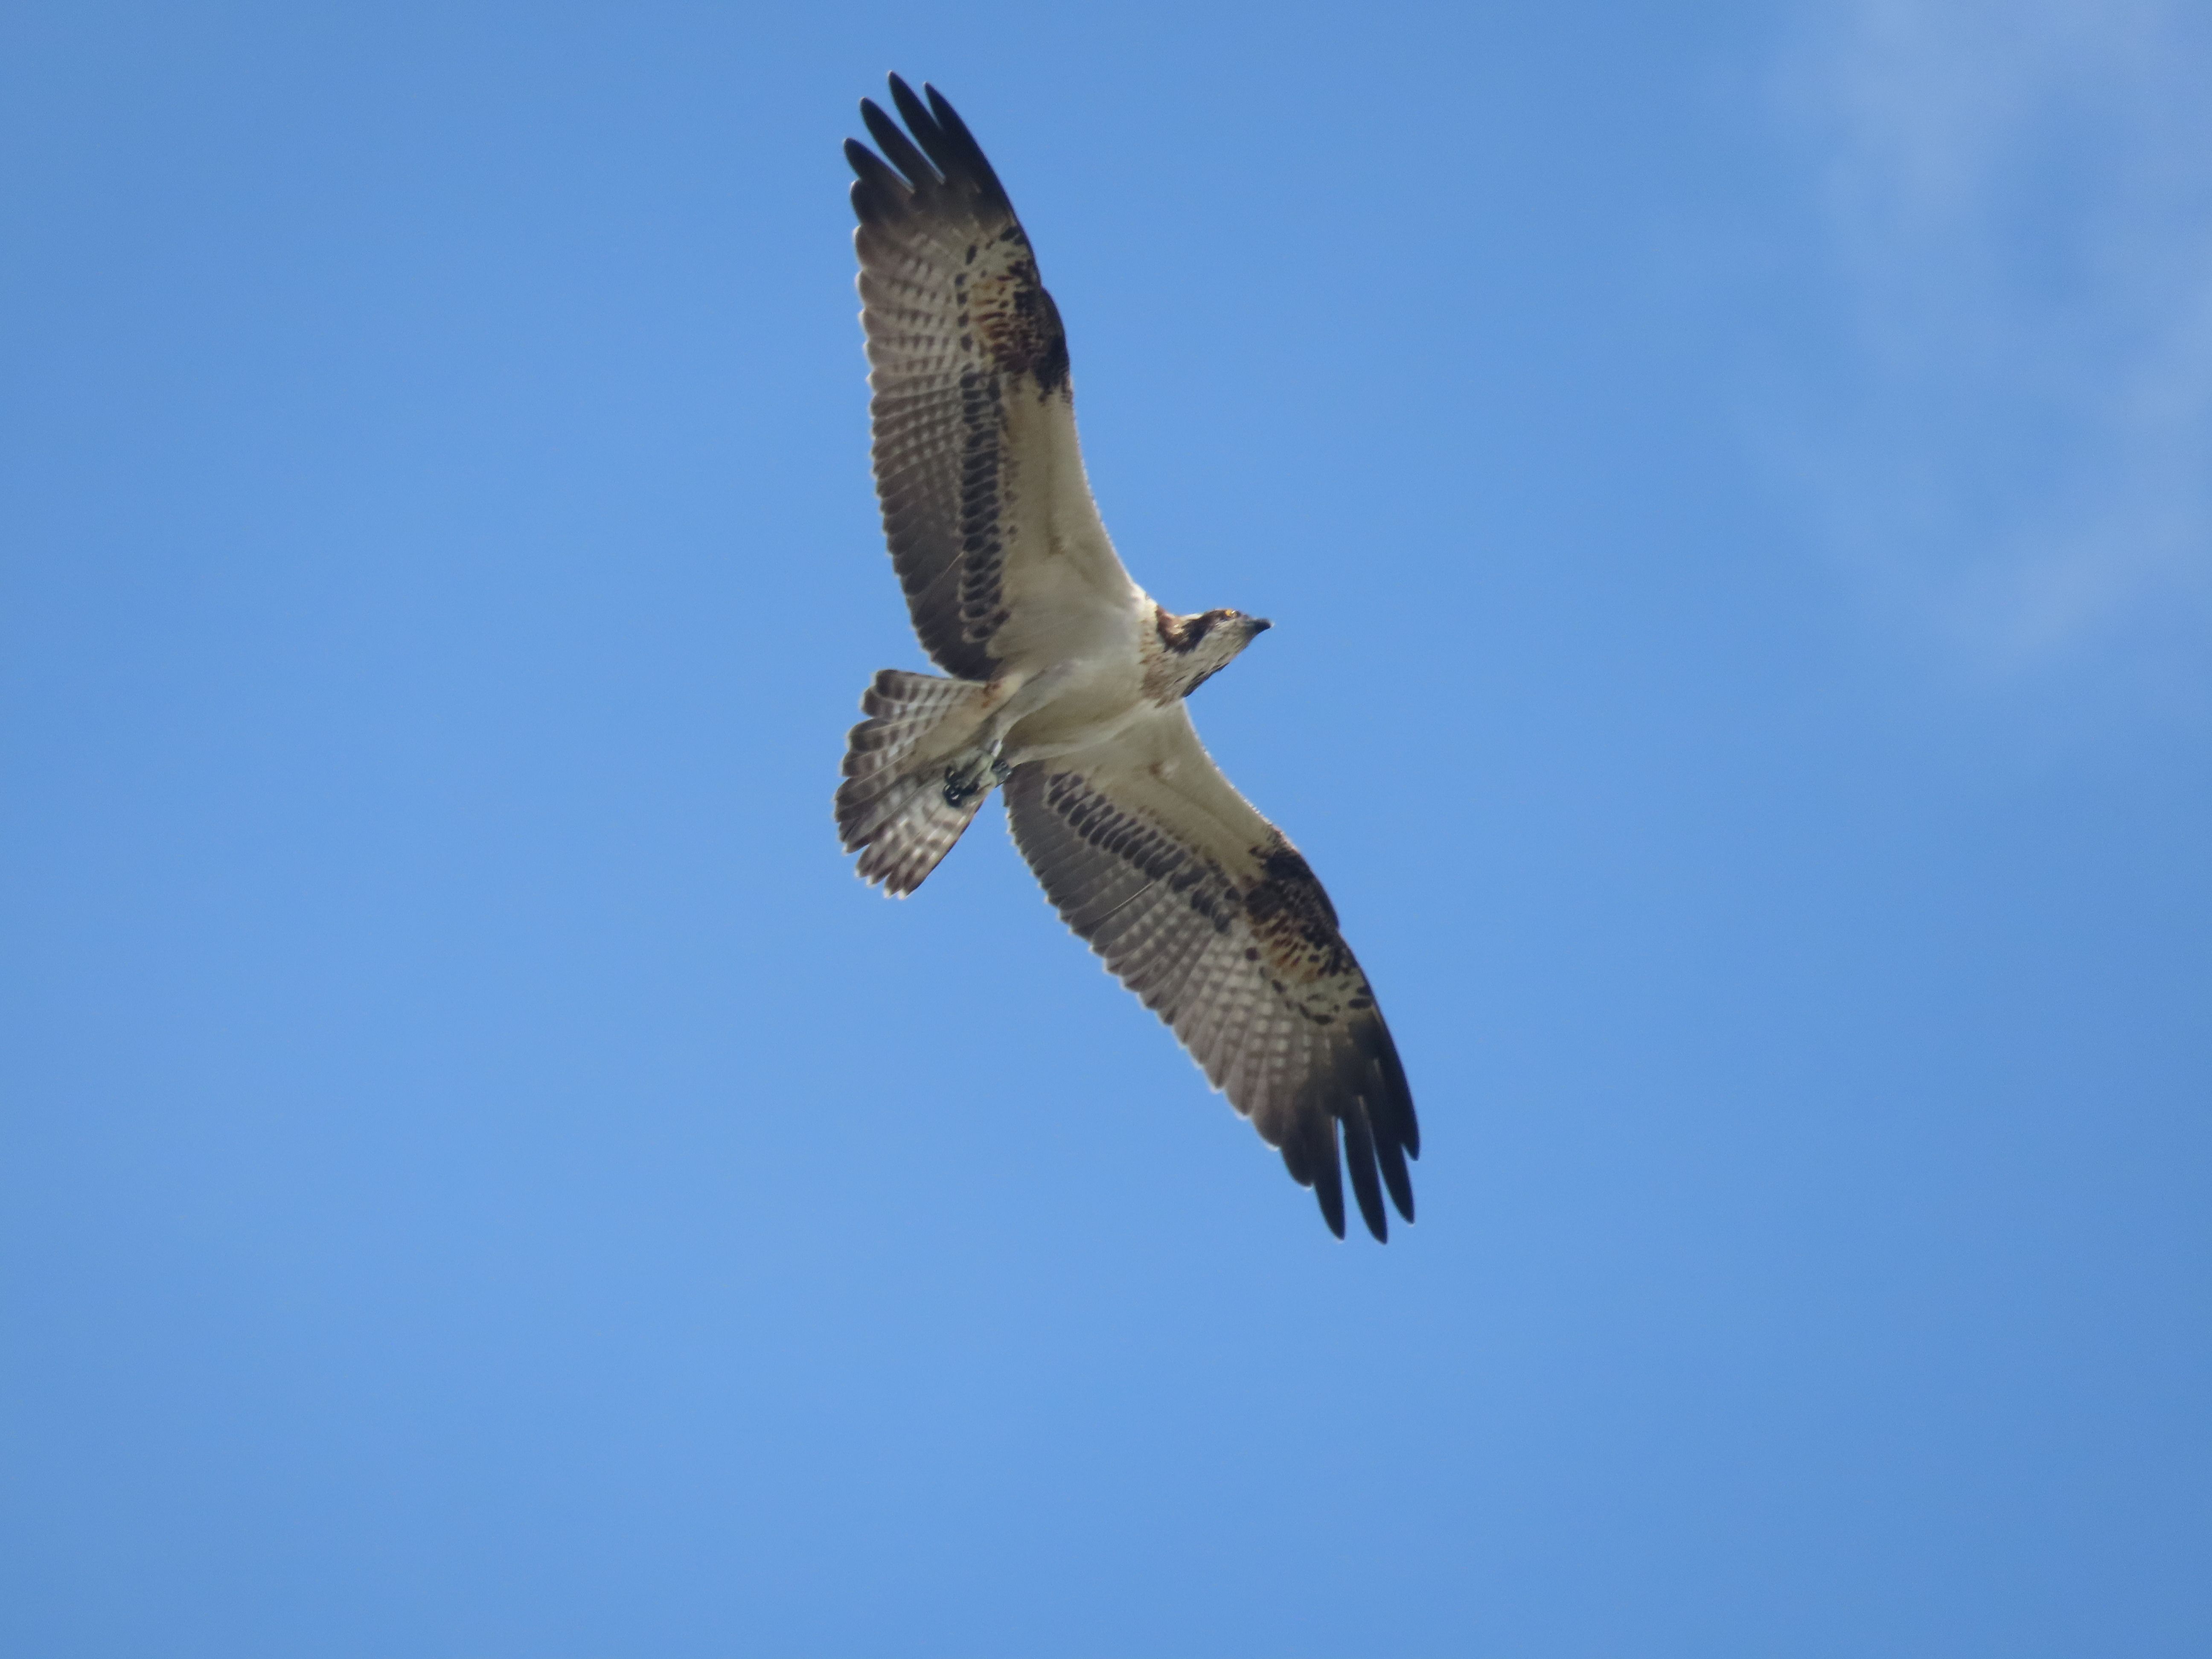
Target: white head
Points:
(1193, 649)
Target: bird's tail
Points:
(897, 806)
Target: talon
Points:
(965, 779)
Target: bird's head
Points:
(1193, 649)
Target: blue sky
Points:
(483, 1178)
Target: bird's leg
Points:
(982, 765)
(979, 766)
(972, 771)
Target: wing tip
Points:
(879, 193)
(941, 151)
(1359, 1162)
(1365, 1096)
(1309, 1151)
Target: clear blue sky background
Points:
(481, 1177)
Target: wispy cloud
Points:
(2017, 196)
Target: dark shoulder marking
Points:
(1291, 916)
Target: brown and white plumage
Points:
(1069, 681)
(975, 455)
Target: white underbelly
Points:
(1078, 705)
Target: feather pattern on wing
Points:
(1204, 909)
(977, 466)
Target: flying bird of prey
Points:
(1068, 684)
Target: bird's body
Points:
(1069, 684)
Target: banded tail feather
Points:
(892, 808)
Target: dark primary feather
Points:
(1244, 961)
(958, 324)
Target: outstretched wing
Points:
(990, 521)
(1205, 910)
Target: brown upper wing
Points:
(1208, 914)
(976, 460)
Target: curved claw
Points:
(973, 774)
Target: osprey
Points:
(1069, 684)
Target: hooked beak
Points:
(1257, 624)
